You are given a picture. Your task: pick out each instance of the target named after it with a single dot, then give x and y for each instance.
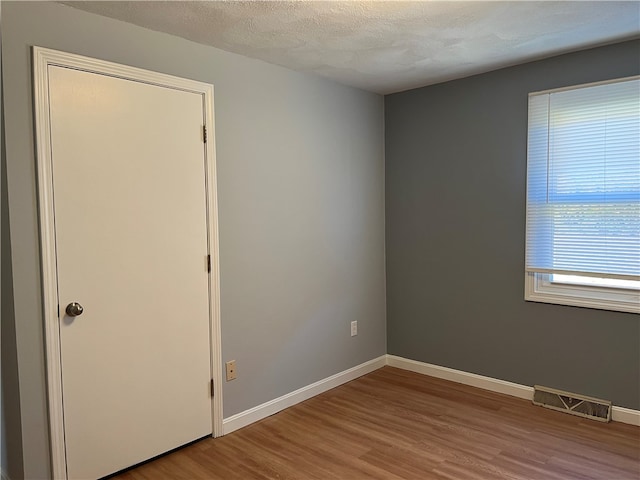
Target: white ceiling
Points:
(386, 46)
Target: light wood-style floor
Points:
(394, 424)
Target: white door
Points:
(130, 207)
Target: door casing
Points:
(42, 59)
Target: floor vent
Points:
(572, 403)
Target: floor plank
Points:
(395, 424)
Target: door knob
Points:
(74, 309)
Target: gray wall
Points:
(301, 207)
(455, 213)
(11, 431)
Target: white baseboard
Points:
(458, 376)
(242, 419)
(618, 414)
(625, 415)
(254, 414)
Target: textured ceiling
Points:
(386, 46)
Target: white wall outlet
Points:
(354, 328)
(231, 370)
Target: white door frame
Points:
(42, 59)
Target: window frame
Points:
(540, 288)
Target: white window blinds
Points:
(583, 181)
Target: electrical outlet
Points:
(354, 328)
(231, 370)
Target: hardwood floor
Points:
(394, 424)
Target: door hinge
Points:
(209, 263)
(212, 388)
(204, 133)
(58, 310)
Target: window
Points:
(583, 196)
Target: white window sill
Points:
(538, 288)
